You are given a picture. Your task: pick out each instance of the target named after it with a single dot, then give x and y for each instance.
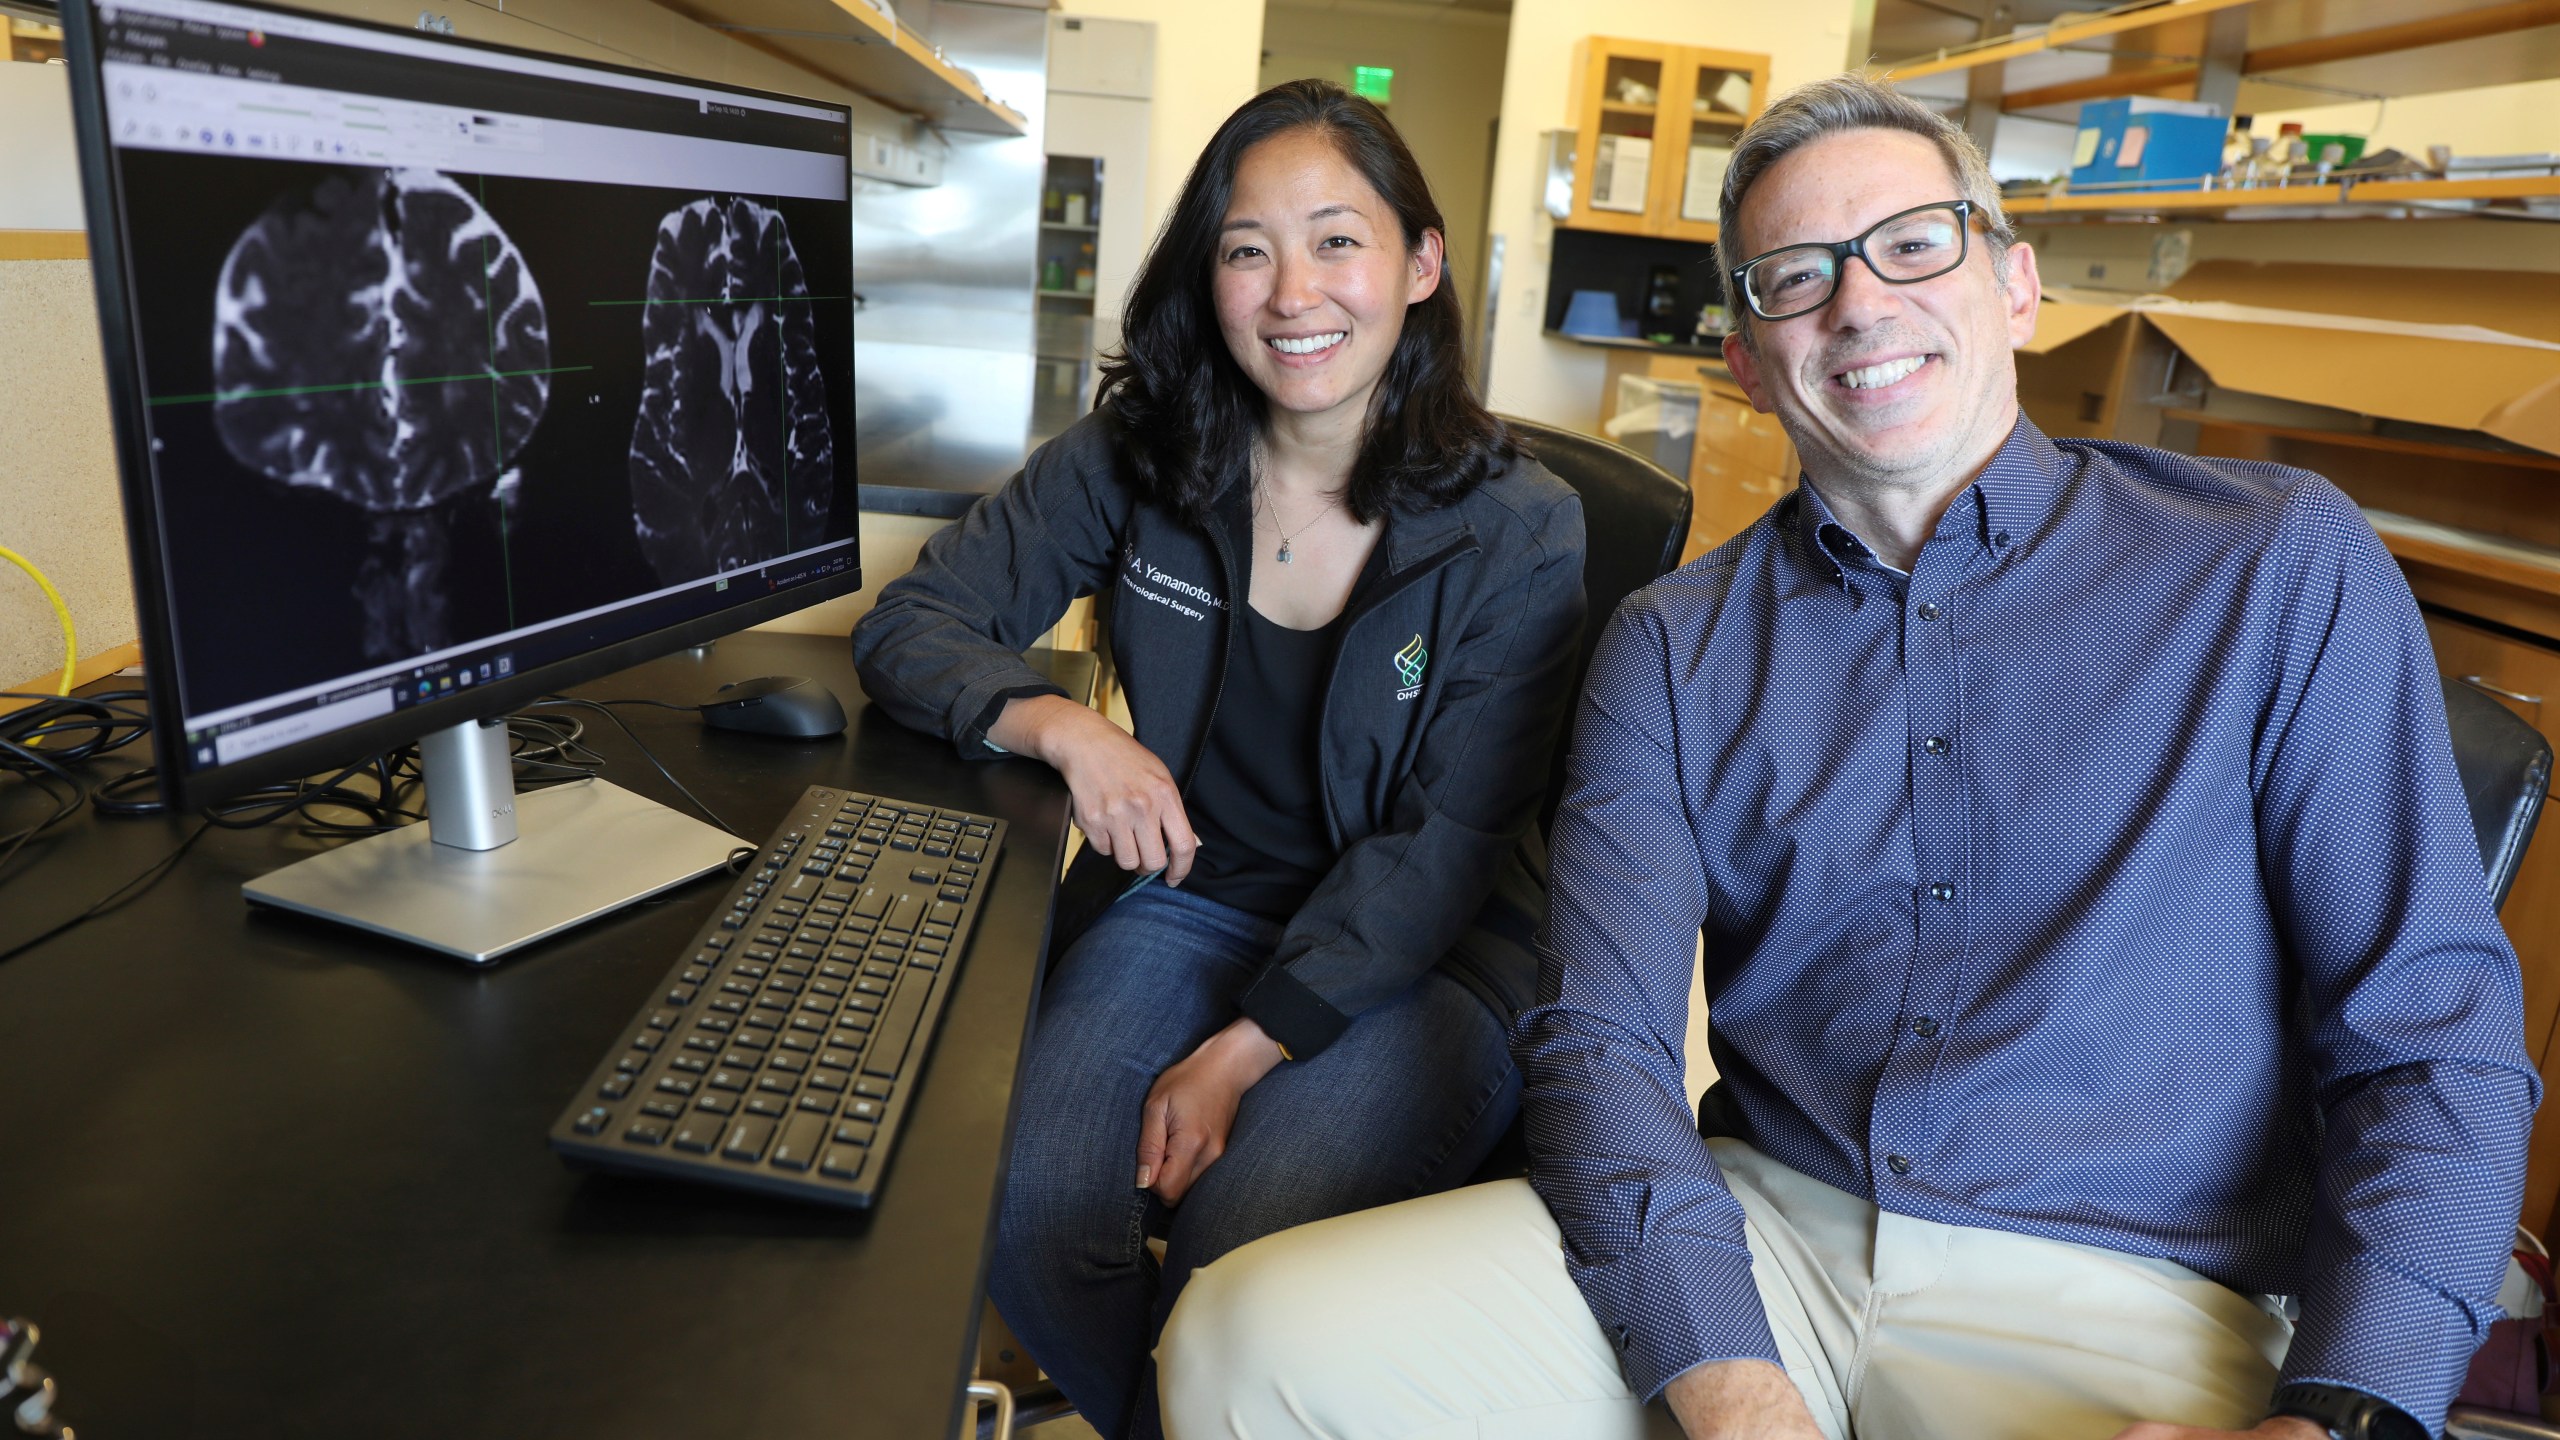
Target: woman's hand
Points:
(1192, 1108)
(1125, 800)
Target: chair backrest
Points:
(1635, 517)
(2505, 766)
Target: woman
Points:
(1344, 612)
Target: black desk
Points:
(263, 1176)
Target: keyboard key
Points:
(676, 1084)
(663, 1109)
(761, 954)
(955, 893)
(765, 1020)
(835, 1059)
(810, 948)
(843, 1162)
(872, 984)
(632, 1064)
(898, 1026)
(902, 915)
(778, 1084)
(790, 1064)
(833, 989)
(881, 969)
(798, 1147)
(680, 995)
(748, 970)
(923, 960)
(870, 1110)
(783, 985)
(740, 1060)
(810, 1023)
(753, 1040)
(872, 1088)
(593, 1119)
(747, 1139)
(715, 1103)
(768, 1105)
(662, 1019)
(827, 1079)
(694, 974)
(648, 1041)
(821, 1104)
(615, 1088)
(872, 903)
(800, 1040)
(729, 1005)
(738, 987)
(689, 1064)
(698, 1135)
(855, 1132)
(726, 1079)
(716, 943)
(646, 1132)
(934, 934)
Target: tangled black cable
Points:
(42, 743)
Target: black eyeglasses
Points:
(1918, 244)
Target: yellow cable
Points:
(70, 640)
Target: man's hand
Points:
(1192, 1108)
(1740, 1400)
(1125, 800)
(2274, 1427)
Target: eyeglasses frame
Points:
(1856, 245)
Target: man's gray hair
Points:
(1852, 102)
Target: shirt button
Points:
(1928, 611)
(1897, 1164)
(1924, 1027)
(1935, 744)
(1942, 891)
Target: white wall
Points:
(1208, 62)
(1555, 380)
(1448, 91)
(39, 174)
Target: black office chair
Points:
(2505, 766)
(1635, 518)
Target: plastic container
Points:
(1592, 312)
(2140, 143)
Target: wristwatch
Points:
(2347, 1414)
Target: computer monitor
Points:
(445, 375)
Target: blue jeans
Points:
(1408, 1101)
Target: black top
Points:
(1256, 801)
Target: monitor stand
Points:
(491, 870)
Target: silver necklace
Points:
(1262, 499)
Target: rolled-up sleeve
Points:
(1653, 1237)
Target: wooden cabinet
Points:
(1654, 124)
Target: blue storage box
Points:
(2140, 143)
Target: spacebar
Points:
(898, 1025)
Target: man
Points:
(2116, 1040)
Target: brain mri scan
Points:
(377, 338)
(732, 460)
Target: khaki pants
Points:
(1451, 1318)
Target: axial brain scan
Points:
(378, 338)
(732, 459)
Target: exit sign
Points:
(1374, 82)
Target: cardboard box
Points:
(2142, 143)
(2462, 349)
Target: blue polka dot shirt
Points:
(2104, 878)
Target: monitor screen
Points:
(448, 374)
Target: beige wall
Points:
(1208, 62)
(1555, 380)
(1448, 91)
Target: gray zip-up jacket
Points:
(1439, 722)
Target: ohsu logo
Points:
(1410, 662)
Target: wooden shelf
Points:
(1621, 107)
(2139, 16)
(2155, 201)
(2298, 54)
(2488, 557)
(2365, 440)
(2344, 198)
(855, 46)
(1718, 117)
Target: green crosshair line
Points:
(285, 390)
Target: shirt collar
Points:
(2008, 502)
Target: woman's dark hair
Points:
(1187, 413)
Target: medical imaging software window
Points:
(447, 356)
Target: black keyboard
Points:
(780, 1052)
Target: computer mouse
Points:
(787, 705)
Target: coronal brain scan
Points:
(379, 339)
(732, 456)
